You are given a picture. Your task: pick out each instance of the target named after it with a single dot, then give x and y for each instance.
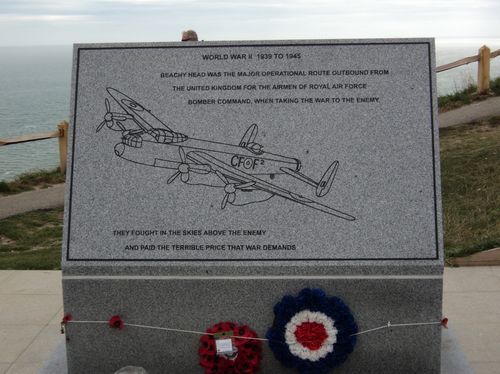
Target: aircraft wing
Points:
(242, 177)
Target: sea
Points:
(35, 90)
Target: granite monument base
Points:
(195, 303)
(453, 360)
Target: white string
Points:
(189, 331)
(170, 329)
(370, 330)
(389, 325)
(386, 326)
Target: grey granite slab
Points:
(197, 304)
(362, 109)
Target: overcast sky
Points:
(49, 22)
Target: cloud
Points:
(142, 20)
(44, 18)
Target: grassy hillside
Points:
(470, 171)
(31, 240)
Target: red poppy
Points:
(68, 317)
(116, 322)
(444, 322)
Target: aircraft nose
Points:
(178, 137)
(111, 91)
(115, 94)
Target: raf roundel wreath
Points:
(312, 332)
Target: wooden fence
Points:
(483, 70)
(483, 85)
(61, 133)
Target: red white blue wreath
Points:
(312, 332)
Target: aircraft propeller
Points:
(110, 117)
(230, 189)
(184, 168)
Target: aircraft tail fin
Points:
(326, 181)
(248, 140)
(249, 136)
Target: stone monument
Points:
(207, 180)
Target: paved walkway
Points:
(31, 309)
(473, 112)
(45, 198)
(30, 312)
(471, 301)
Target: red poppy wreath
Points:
(246, 355)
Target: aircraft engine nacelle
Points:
(132, 140)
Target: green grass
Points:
(495, 86)
(31, 180)
(466, 96)
(31, 240)
(470, 171)
(457, 99)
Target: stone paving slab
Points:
(14, 339)
(42, 346)
(23, 369)
(453, 360)
(30, 311)
(471, 301)
(5, 274)
(32, 282)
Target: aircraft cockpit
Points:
(165, 136)
(255, 148)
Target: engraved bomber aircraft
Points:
(244, 171)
